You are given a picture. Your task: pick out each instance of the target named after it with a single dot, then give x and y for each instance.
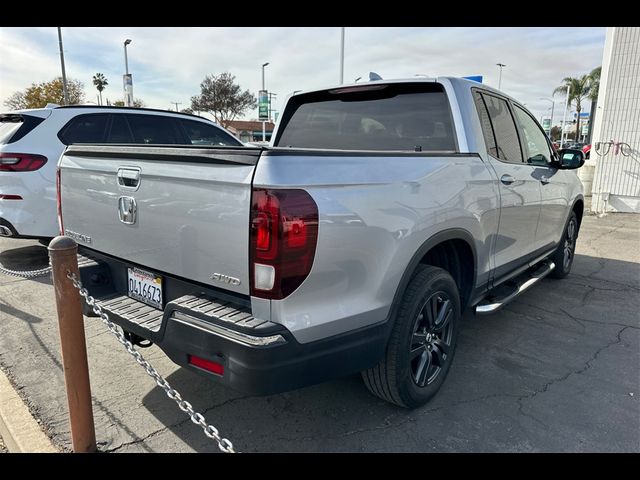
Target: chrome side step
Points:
(505, 293)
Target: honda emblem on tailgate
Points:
(127, 210)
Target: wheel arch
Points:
(578, 208)
(445, 237)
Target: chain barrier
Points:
(209, 430)
(40, 272)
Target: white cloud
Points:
(168, 64)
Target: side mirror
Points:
(570, 159)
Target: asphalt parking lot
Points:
(556, 370)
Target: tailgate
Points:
(177, 210)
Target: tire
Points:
(420, 351)
(563, 256)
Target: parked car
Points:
(354, 244)
(587, 151)
(31, 142)
(574, 145)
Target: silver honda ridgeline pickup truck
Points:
(380, 212)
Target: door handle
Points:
(129, 177)
(507, 179)
(544, 180)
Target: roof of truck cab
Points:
(416, 79)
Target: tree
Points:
(594, 86)
(578, 91)
(187, 110)
(100, 81)
(222, 98)
(594, 83)
(137, 103)
(38, 95)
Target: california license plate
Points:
(146, 287)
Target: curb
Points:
(20, 431)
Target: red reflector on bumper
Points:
(208, 365)
(10, 197)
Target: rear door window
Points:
(200, 133)
(397, 116)
(485, 124)
(504, 128)
(89, 128)
(154, 129)
(13, 127)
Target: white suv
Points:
(31, 142)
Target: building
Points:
(250, 131)
(615, 152)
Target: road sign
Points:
(546, 123)
(263, 105)
(127, 81)
(475, 78)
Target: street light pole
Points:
(264, 133)
(126, 60)
(128, 82)
(553, 103)
(564, 117)
(500, 77)
(65, 91)
(341, 55)
(271, 95)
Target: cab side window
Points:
(537, 151)
(200, 133)
(119, 132)
(85, 129)
(154, 129)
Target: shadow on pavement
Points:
(25, 258)
(21, 314)
(239, 417)
(503, 367)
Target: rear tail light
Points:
(284, 234)
(59, 201)
(10, 197)
(21, 162)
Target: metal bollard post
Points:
(63, 253)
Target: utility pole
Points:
(176, 104)
(65, 90)
(341, 55)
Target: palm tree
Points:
(100, 81)
(594, 86)
(578, 91)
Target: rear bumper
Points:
(258, 357)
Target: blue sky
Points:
(168, 64)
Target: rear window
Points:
(14, 127)
(413, 117)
